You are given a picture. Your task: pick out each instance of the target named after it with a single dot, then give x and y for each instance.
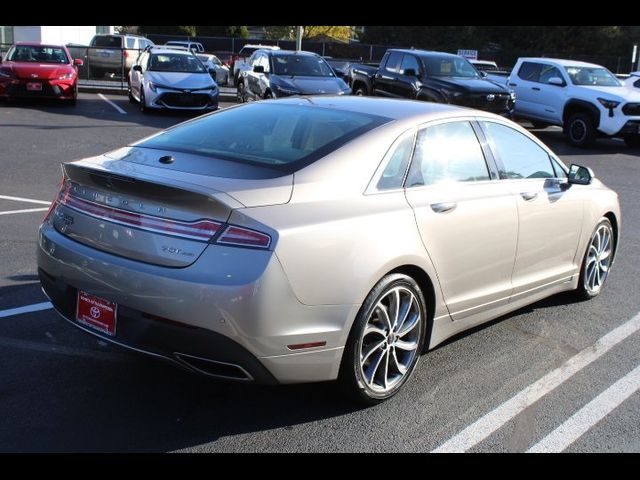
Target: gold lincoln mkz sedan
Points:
(320, 238)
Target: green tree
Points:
(288, 32)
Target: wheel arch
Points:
(578, 106)
(616, 229)
(427, 287)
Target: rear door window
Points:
(530, 71)
(393, 62)
(447, 153)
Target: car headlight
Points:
(152, 86)
(610, 104)
(66, 76)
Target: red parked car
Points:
(39, 71)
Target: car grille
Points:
(185, 99)
(20, 90)
(631, 109)
(480, 101)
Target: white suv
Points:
(587, 100)
(241, 61)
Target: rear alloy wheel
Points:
(131, 97)
(361, 91)
(143, 101)
(386, 340)
(240, 94)
(580, 130)
(597, 261)
(632, 140)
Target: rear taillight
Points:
(54, 202)
(201, 230)
(243, 237)
(125, 54)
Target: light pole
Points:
(300, 31)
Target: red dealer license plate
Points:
(96, 313)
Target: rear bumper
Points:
(232, 306)
(194, 348)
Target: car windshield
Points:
(449, 67)
(175, 62)
(301, 65)
(281, 136)
(37, 54)
(598, 76)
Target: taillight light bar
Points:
(201, 230)
(243, 237)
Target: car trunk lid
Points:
(154, 215)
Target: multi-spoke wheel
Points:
(597, 260)
(386, 339)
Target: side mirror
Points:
(212, 72)
(409, 72)
(556, 81)
(258, 69)
(78, 62)
(579, 175)
(137, 68)
(483, 74)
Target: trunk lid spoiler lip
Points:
(116, 168)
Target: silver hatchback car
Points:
(320, 238)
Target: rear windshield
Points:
(285, 137)
(107, 41)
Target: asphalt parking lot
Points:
(559, 375)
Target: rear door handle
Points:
(537, 89)
(443, 207)
(513, 84)
(528, 196)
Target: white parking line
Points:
(492, 421)
(26, 200)
(26, 210)
(36, 307)
(112, 104)
(585, 418)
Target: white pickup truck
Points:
(586, 100)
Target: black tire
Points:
(143, 106)
(352, 376)
(361, 90)
(584, 290)
(632, 140)
(240, 95)
(537, 124)
(131, 97)
(580, 130)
